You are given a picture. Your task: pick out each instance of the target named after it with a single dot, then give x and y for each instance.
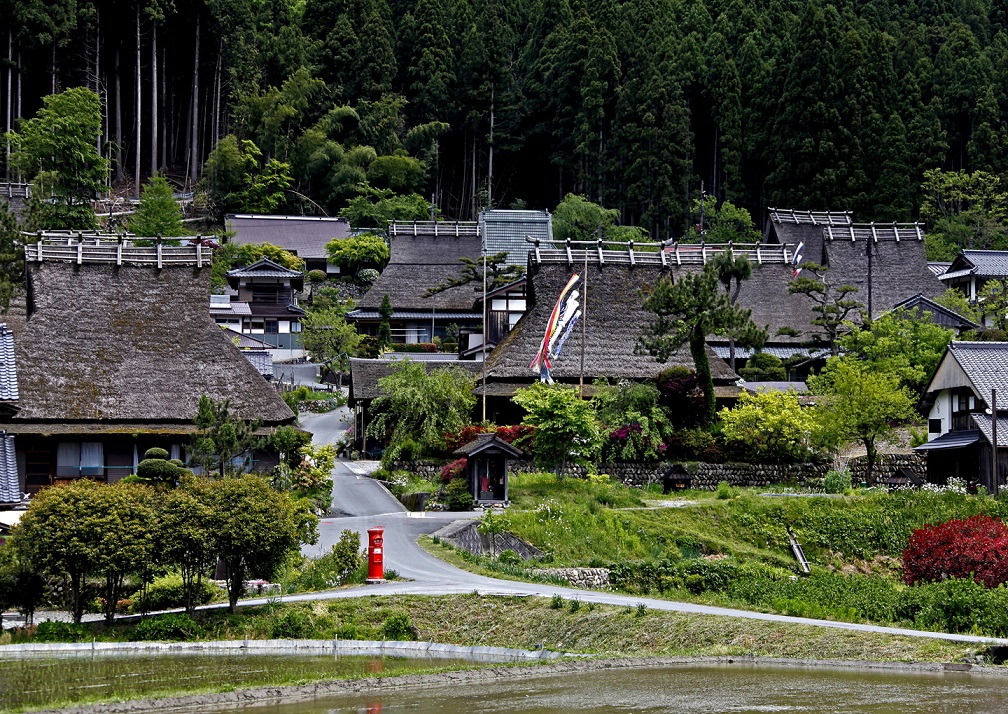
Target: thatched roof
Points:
(129, 344)
(899, 267)
(787, 225)
(305, 236)
(423, 261)
(365, 373)
(614, 321)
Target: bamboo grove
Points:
(634, 104)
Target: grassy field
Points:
(732, 549)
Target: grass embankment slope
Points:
(734, 550)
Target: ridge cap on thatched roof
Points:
(896, 232)
(104, 248)
(791, 215)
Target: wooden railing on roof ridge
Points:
(663, 253)
(13, 189)
(875, 232)
(434, 228)
(107, 248)
(815, 218)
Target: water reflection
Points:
(688, 689)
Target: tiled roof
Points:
(985, 365)
(8, 369)
(506, 230)
(262, 360)
(940, 314)
(306, 236)
(953, 440)
(984, 423)
(247, 342)
(482, 442)
(234, 308)
(264, 268)
(938, 267)
(982, 263)
(10, 485)
(780, 351)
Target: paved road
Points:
(361, 503)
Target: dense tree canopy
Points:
(363, 103)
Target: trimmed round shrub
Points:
(177, 462)
(157, 470)
(762, 367)
(317, 276)
(156, 452)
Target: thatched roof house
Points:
(116, 351)
(423, 256)
(786, 225)
(894, 269)
(615, 316)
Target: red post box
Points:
(376, 556)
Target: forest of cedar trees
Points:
(634, 104)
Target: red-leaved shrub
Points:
(976, 548)
(454, 440)
(455, 468)
(519, 433)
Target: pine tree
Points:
(158, 213)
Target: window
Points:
(272, 327)
(295, 326)
(67, 460)
(257, 325)
(92, 460)
(934, 426)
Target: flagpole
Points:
(484, 330)
(584, 320)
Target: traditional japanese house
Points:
(304, 236)
(274, 316)
(919, 306)
(966, 400)
(116, 349)
(972, 269)
(424, 255)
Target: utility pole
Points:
(995, 481)
(490, 165)
(484, 328)
(871, 249)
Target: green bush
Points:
(173, 626)
(457, 496)
(157, 470)
(156, 452)
(317, 276)
(341, 565)
(398, 626)
(292, 624)
(762, 367)
(837, 481)
(509, 557)
(168, 593)
(724, 490)
(51, 631)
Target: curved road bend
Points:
(362, 503)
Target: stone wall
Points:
(591, 578)
(886, 465)
(707, 476)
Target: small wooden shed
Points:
(487, 467)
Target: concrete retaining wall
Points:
(365, 648)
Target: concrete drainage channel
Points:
(361, 648)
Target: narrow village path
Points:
(363, 503)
